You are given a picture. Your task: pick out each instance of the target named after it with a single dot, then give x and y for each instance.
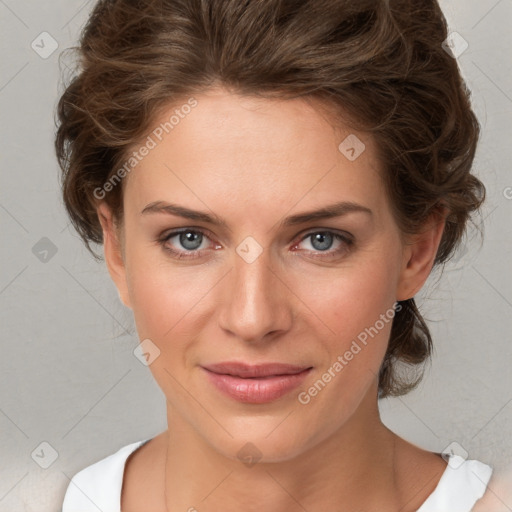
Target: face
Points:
(253, 279)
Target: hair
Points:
(380, 66)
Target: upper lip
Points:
(255, 370)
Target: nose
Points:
(257, 303)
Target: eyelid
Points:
(177, 231)
(344, 234)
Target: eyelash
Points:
(348, 242)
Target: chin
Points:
(261, 443)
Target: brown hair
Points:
(381, 63)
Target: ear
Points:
(114, 257)
(419, 254)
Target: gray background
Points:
(69, 376)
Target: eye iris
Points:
(188, 239)
(325, 240)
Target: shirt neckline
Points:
(447, 480)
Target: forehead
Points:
(235, 147)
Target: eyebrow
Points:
(328, 212)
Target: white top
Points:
(98, 486)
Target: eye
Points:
(322, 242)
(190, 243)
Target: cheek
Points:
(163, 298)
(167, 310)
(350, 299)
(356, 305)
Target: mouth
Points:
(248, 371)
(256, 384)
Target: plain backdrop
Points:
(72, 391)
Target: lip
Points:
(244, 370)
(257, 384)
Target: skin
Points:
(254, 162)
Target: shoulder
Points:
(98, 486)
(462, 484)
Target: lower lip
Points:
(256, 390)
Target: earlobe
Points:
(418, 257)
(113, 252)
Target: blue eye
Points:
(191, 241)
(322, 242)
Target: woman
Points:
(273, 182)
